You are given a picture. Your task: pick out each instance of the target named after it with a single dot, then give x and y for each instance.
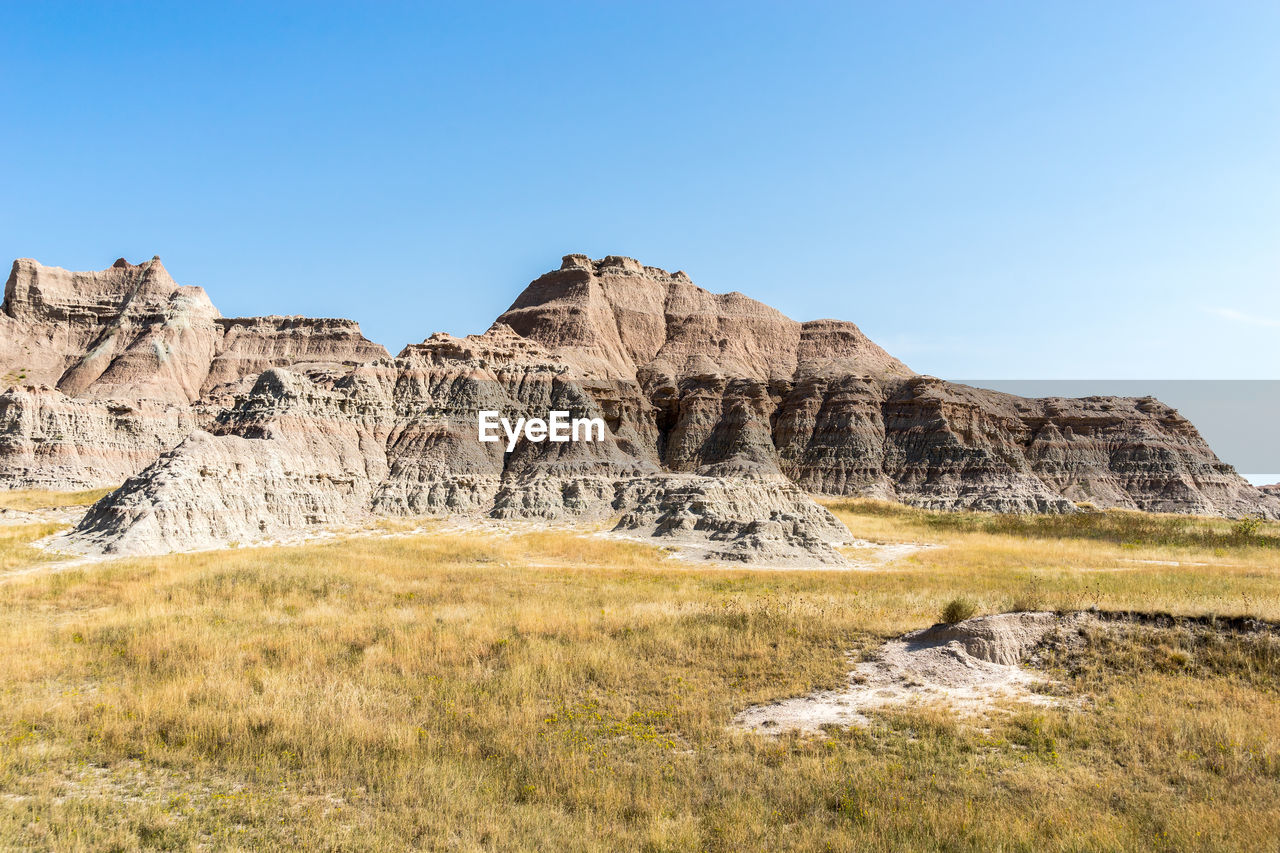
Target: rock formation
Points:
(721, 384)
(721, 414)
(106, 370)
(399, 437)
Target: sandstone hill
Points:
(103, 371)
(722, 413)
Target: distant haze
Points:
(1237, 417)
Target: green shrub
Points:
(1246, 528)
(958, 610)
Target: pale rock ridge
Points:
(741, 519)
(293, 455)
(51, 441)
(105, 370)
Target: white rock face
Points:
(51, 441)
(210, 491)
(739, 519)
(103, 371)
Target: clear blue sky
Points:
(990, 189)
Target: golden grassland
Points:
(549, 691)
(27, 499)
(13, 538)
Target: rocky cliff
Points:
(721, 384)
(721, 412)
(103, 371)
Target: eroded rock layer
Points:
(399, 437)
(721, 414)
(721, 384)
(106, 370)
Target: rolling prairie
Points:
(551, 690)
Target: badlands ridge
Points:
(723, 415)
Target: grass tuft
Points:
(958, 610)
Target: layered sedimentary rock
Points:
(399, 437)
(951, 446)
(105, 370)
(721, 384)
(721, 414)
(619, 319)
(51, 441)
(741, 519)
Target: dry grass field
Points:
(546, 691)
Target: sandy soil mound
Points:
(968, 666)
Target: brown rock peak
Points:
(131, 332)
(616, 317)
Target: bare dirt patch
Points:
(970, 667)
